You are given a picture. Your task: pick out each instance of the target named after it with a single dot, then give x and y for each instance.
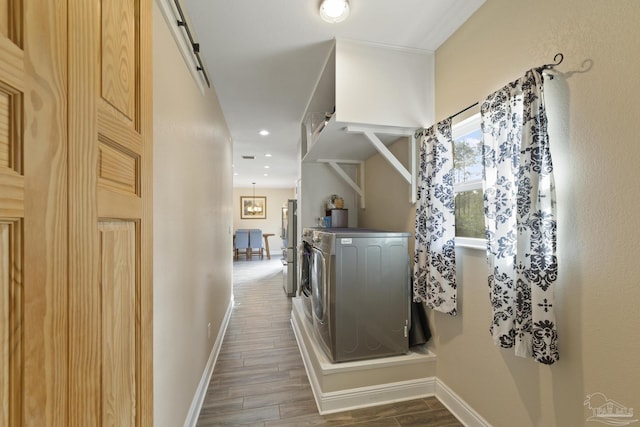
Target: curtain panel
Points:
(520, 219)
(434, 275)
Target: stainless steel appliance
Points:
(289, 254)
(306, 256)
(360, 292)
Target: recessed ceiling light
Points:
(267, 166)
(333, 11)
(264, 132)
(266, 174)
(236, 174)
(267, 155)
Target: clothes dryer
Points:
(360, 292)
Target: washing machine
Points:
(360, 292)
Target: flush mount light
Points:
(264, 132)
(334, 11)
(267, 155)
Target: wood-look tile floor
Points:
(259, 378)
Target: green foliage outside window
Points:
(467, 164)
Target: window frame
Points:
(459, 130)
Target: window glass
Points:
(469, 214)
(467, 179)
(467, 157)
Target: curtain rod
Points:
(558, 58)
(182, 22)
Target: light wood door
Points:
(33, 214)
(110, 305)
(75, 213)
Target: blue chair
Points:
(241, 243)
(256, 243)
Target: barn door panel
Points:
(116, 194)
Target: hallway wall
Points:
(593, 111)
(193, 216)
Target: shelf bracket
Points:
(335, 165)
(409, 176)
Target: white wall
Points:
(319, 181)
(192, 227)
(276, 199)
(593, 109)
(371, 78)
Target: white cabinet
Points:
(366, 97)
(384, 89)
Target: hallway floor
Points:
(260, 380)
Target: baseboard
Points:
(201, 391)
(362, 397)
(354, 398)
(458, 407)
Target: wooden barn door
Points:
(33, 214)
(75, 213)
(110, 304)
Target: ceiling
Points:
(264, 58)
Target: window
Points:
(467, 183)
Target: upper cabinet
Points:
(367, 88)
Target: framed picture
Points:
(253, 207)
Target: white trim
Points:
(461, 187)
(360, 397)
(471, 242)
(364, 397)
(398, 48)
(380, 394)
(458, 407)
(466, 126)
(171, 17)
(201, 391)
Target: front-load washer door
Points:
(319, 300)
(305, 279)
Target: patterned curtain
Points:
(434, 270)
(519, 203)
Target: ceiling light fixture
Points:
(334, 11)
(264, 132)
(254, 208)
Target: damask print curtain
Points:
(434, 269)
(519, 203)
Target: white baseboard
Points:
(201, 391)
(362, 397)
(345, 400)
(458, 407)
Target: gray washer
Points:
(360, 293)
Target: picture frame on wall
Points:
(253, 207)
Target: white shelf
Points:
(347, 141)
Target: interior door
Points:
(110, 300)
(33, 214)
(75, 213)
